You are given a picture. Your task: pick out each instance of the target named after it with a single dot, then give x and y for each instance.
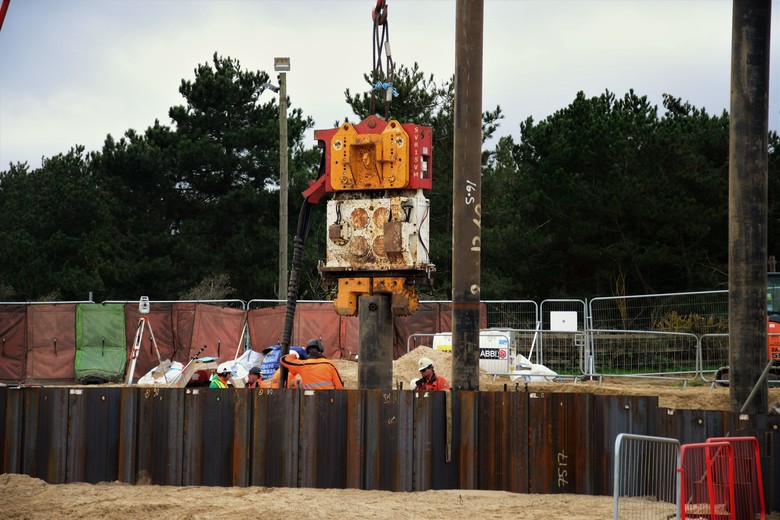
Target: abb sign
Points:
(493, 353)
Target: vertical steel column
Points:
(283, 186)
(748, 167)
(467, 194)
(375, 342)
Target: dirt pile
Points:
(404, 368)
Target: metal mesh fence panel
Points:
(707, 481)
(646, 481)
(419, 340)
(512, 314)
(561, 345)
(264, 304)
(748, 483)
(693, 312)
(645, 353)
(714, 354)
(563, 352)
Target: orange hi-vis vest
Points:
(315, 373)
(273, 381)
(434, 383)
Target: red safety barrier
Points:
(748, 482)
(707, 481)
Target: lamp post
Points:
(282, 66)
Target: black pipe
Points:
(304, 225)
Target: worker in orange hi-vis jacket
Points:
(316, 373)
(273, 381)
(428, 378)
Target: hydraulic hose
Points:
(304, 225)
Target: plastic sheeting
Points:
(219, 329)
(160, 323)
(52, 342)
(101, 349)
(13, 342)
(339, 334)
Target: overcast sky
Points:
(73, 71)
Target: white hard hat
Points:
(224, 368)
(424, 363)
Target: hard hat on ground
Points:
(224, 368)
(424, 363)
(255, 371)
(315, 344)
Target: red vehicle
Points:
(772, 329)
(773, 316)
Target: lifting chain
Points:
(382, 68)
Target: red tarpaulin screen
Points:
(51, 332)
(220, 329)
(13, 342)
(265, 326)
(340, 333)
(160, 321)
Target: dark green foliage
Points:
(56, 228)
(606, 196)
(159, 213)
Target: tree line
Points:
(609, 195)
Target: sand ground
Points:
(32, 499)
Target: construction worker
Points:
(316, 372)
(271, 362)
(253, 378)
(428, 378)
(293, 381)
(271, 356)
(223, 375)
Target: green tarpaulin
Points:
(101, 351)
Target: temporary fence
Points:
(62, 342)
(748, 480)
(656, 477)
(645, 353)
(675, 335)
(512, 314)
(714, 350)
(232, 303)
(707, 481)
(696, 312)
(646, 478)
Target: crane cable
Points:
(383, 70)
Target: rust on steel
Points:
(467, 194)
(375, 342)
(517, 440)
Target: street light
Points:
(282, 66)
